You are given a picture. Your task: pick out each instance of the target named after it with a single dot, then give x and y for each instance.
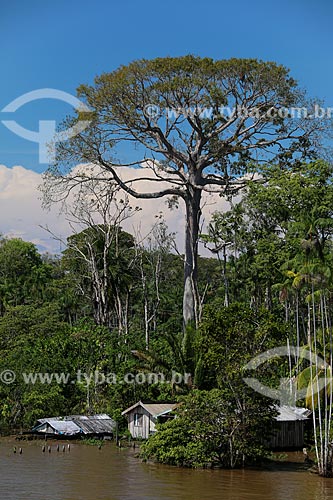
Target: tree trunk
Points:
(225, 278)
(191, 295)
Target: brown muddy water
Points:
(87, 473)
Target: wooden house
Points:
(143, 417)
(289, 429)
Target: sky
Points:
(61, 44)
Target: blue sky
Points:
(61, 44)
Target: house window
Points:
(137, 419)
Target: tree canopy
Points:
(199, 124)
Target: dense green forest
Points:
(114, 304)
(268, 282)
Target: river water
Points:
(87, 473)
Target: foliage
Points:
(33, 340)
(271, 285)
(23, 273)
(212, 428)
(229, 338)
(158, 109)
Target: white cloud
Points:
(21, 213)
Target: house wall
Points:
(288, 435)
(147, 427)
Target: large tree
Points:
(198, 124)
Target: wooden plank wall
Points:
(288, 435)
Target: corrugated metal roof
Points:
(86, 424)
(155, 409)
(291, 413)
(91, 425)
(66, 427)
